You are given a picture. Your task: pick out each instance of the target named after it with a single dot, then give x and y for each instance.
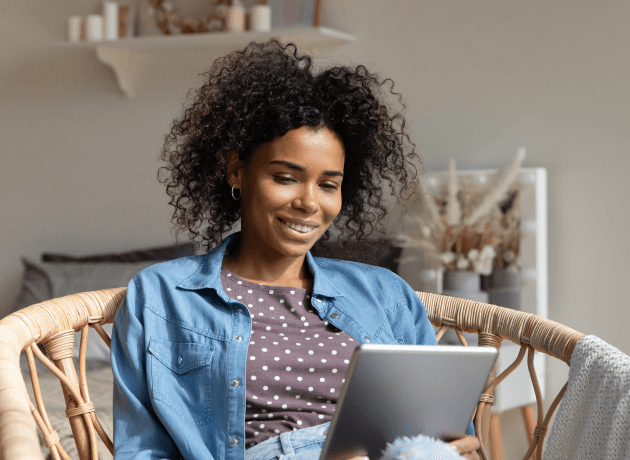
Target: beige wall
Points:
(480, 78)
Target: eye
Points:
(283, 179)
(330, 186)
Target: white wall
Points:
(480, 79)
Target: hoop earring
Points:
(239, 193)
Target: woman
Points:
(246, 347)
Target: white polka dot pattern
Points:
(296, 363)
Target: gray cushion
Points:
(161, 253)
(43, 281)
(374, 252)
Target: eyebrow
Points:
(288, 164)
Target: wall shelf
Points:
(124, 55)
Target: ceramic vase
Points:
(503, 288)
(464, 284)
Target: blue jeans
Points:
(304, 444)
(307, 443)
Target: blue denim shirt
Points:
(179, 349)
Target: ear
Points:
(234, 169)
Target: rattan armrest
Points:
(21, 331)
(494, 324)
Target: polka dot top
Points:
(296, 363)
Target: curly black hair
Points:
(257, 94)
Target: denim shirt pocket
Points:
(180, 378)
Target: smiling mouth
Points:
(298, 228)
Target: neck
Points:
(264, 267)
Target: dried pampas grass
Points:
(458, 222)
(453, 208)
(498, 193)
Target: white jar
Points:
(74, 32)
(94, 28)
(110, 14)
(260, 18)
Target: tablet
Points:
(405, 390)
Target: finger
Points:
(466, 444)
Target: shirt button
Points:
(234, 441)
(240, 310)
(334, 315)
(180, 360)
(367, 339)
(236, 383)
(319, 300)
(238, 338)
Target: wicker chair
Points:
(54, 322)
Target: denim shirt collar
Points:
(208, 274)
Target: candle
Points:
(94, 28)
(260, 18)
(235, 21)
(75, 26)
(110, 14)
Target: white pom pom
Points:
(419, 448)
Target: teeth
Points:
(299, 228)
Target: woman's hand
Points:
(467, 447)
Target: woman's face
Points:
(291, 191)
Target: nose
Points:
(306, 199)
